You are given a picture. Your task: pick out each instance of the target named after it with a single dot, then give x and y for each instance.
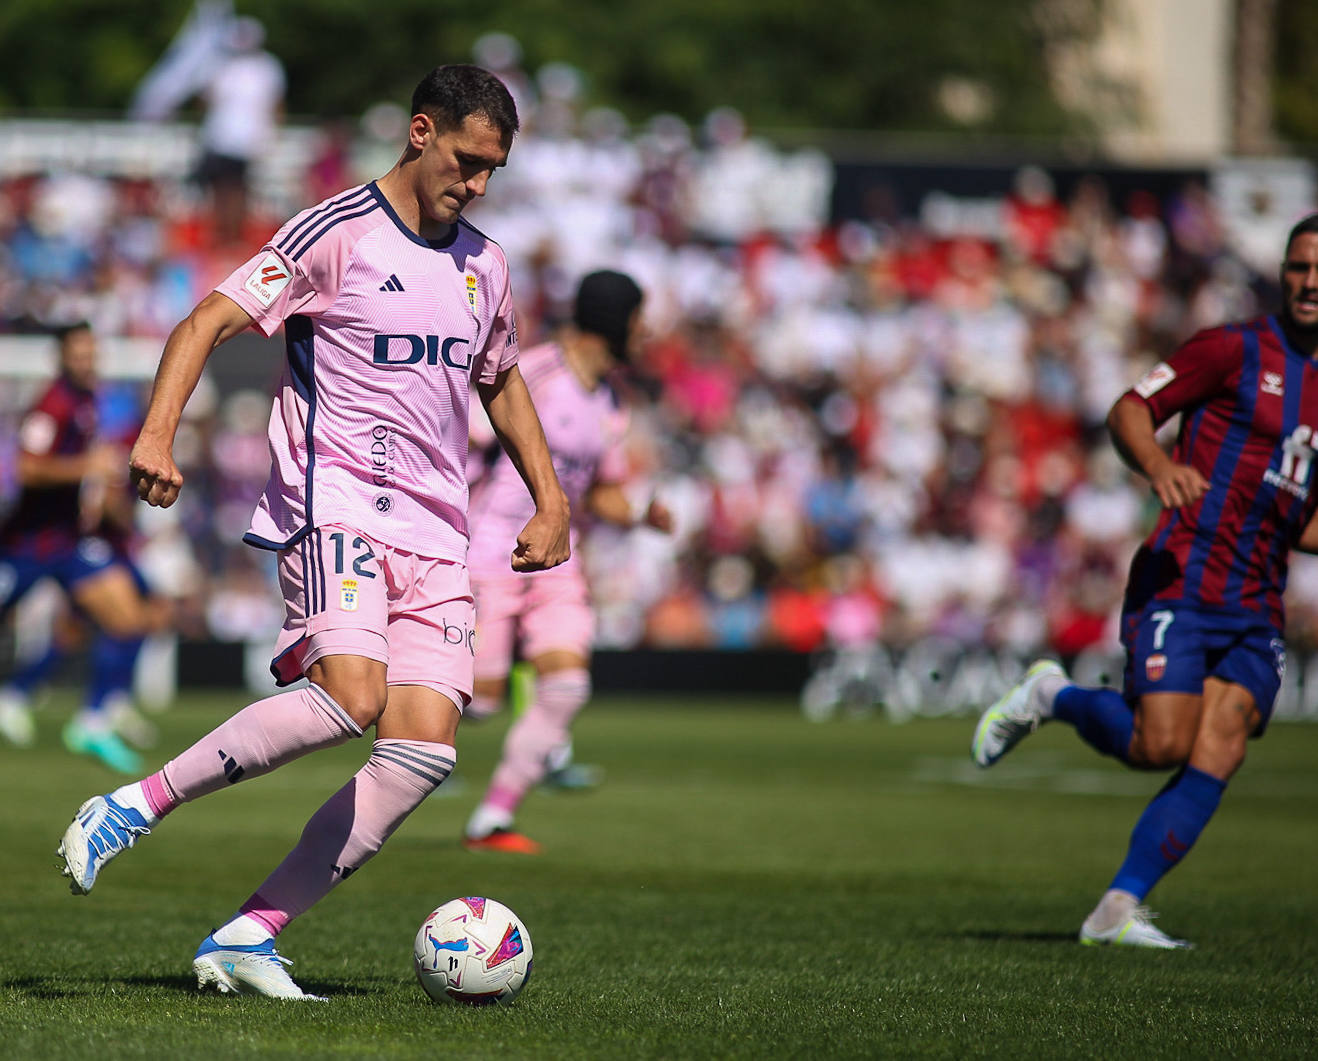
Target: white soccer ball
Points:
(472, 950)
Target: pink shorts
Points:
(345, 594)
(539, 612)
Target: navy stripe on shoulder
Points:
(463, 221)
(346, 213)
(317, 214)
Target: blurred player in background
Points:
(1203, 618)
(244, 103)
(391, 306)
(69, 525)
(548, 614)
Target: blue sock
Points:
(1101, 716)
(113, 660)
(35, 671)
(1168, 828)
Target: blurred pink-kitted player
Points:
(548, 613)
(393, 308)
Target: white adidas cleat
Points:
(99, 832)
(247, 969)
(1137, 930)
(1013, 717)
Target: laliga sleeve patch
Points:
(269, 278)
(37, 432)
(1158, 377)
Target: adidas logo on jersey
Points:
(392, 284)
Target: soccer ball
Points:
(472, 950)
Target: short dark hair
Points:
(1303, 227)
(61, 332)
(449, 94)
(604, 306)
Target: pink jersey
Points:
(385, 331)
(584, 430)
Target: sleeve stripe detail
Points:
(346, 200)
(298, 247)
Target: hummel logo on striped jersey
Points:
(392, 284)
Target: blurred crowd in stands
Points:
(867, 430)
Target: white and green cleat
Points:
(1137, 930)
(1014, 716)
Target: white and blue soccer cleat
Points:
(99, 832)
(247, 969)
(1137, 930)
(1016, 715)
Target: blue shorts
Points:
(1171, 647)
(21, 569)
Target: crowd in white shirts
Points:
(879, 428)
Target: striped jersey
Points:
(384, 332)
(62, 423)
(1249, 405)
(583, 430)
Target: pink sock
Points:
(352, 826)
(257, 739)
(543, 726)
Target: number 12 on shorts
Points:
(364, 554)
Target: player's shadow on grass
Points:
(52, 990)
(999, 936)
(188, 985)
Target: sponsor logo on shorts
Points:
(348, 594)
(1279, 657)
(459, 635)
(1155, 666)
(95, 551)
(269, 278)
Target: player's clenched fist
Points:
(1178, 485)
(154, 473)
(543, 543)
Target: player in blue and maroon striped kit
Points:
(1203, 618)
(53, 532)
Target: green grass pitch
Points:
(746, 884)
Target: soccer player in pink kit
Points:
(549, 612)
(391, 306)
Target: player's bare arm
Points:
(1131, 425)
(607, 501)
(41, 470)
(216, 319)
(1308, 539)
(543, 542)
